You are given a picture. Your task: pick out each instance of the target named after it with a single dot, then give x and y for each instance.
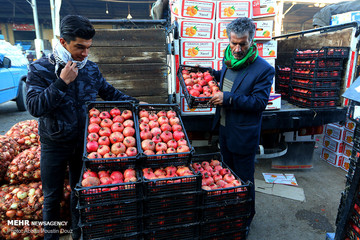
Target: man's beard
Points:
(240, 55)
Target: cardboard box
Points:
(186, 111)
(274, 101)
(218, 64)
(204, 9)
(221, 46)
(332, 158)
(333, 145)
(345, 163)
(263, 8)
(201, 63)
(350, 125)
(345, 17)
(347, 150)
(267, 49)
(233, 9)
(220, 29)
(197, 49)
(335, 131)
(348, 137)
(264, 30)
(196, 29)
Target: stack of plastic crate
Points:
(282, 79)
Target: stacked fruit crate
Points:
(316, 76)
(282, 79)
(225, 199)
(348, 218)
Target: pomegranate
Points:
(178, 135)
(116, 137)
(129, 142)
(153, 124)
(217, 177)
(148, 144)
(214, 163)
(218, 168)
(165, 127)
(144, 120)
(156, 139)
(171, 113)
(221, 183)
(176, 127)
(93, 128)
(131, 151)
(153, 117)
(94, 155)
(172, 143)
(163, 120)
(109, 155)
(104, 131)
(174, 120)
(166, 136)
(104, 115)
(182, 170)
(104, 141)
(103, 149)
(161, 146)
(118, 148)
(194, 92)
(205, 187)
(207, 179)
(106, 123)
(129, 132)
(229, 178)
(128, 123)
(106, 180)
(119, 119)
(94, 111)
(115, 112)
(161, 113)
(182, 148)
(95, 119)
(182, 142)
(149, 152)
(89, 173)
(224, 171)
(126, 114)
(92, 137)
(92, 146)
(144, 126)
(143, 113)
(155, 131)
(117, 127)
(90, 181)
(146, 134)
(171, 150)
(128, 173)
(213, 186)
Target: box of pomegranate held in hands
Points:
(162, 136)
(219, 183)
(198, 85)
(110, 133)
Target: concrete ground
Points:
(277, 218)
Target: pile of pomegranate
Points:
(200, 84)
(161, 132)
(214, 176)
(9, 148)
(92, 178)
(25, 133)
(168, 172)
(111, 134)
(25, 167)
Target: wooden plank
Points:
(148, 99)
(141, 87)
(128, 55)
(133, 71)
(129, 37)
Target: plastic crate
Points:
(329, 64)
(161, 203)
(110, 212)
(163, 160)
(315, 93)
(224, 211)
(174, 185)
(218, 229)
(224, 195)
(283, 71)
(316, 83)
(313, 103)
(351, 232)
(194, 102)
(107, 106)
(129, 229)
(237, 235)
(170, 218)
(324, 52)
(181, 232)
(317, 73)
(107, 194)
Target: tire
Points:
(21, 99)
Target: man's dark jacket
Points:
(244, 105)
(61, 108)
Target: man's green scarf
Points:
(232, 63)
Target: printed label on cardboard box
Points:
(185, 110)
(267, 49)
(335, 131)
(274, 101)
(198, 9)
(333, 145)
(345, 163)
(330, 157)
(348, 137)
(263, 8)
(233, 9)
(196, 29)
(220, 29)
(347, 150)
(198, 49)
(350, 125)
(219, 64)
(203, 63)
(263, 30)
(220, 48)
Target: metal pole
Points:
(38, 41)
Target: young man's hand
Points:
(69, 72)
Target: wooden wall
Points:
(133, 61)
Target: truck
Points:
(140, 57)
(13, 73)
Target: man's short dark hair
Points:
(73, 26)
(241, 26)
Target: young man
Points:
(245, 80)
(58, 88)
